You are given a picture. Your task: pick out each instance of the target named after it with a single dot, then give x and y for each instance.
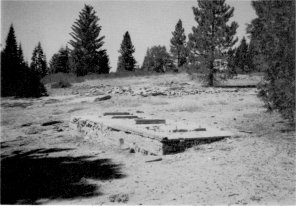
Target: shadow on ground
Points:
(32, 177)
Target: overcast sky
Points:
(148, 22)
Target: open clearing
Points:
(47, 165)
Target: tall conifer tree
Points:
(87, 44)
(126, 61)
(213, 36)
(9, 64)
(38, 61)
(178, 44)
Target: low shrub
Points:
(62, 77)
(61, 84)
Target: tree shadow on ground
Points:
(32, 176)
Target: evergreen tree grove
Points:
(126, 61)
(212, 36)
(273, 33)
(178, 44)
(86, 52)
(17, 79)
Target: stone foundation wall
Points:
(145, 145)
(105, 135)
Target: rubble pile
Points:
(165, 89)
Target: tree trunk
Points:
(211, 75)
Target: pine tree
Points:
(212, 36)
(273, 33)
(9, 64)
(126, 61)
(60, 62)
(86, 43)
(178, 44)
(241, 55)
(38, 61)
(148, 61)
(231, 62)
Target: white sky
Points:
(148, 22)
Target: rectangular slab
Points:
(116, 113)
(150, 121)
(124, 117)
(159, 139)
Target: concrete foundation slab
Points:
(157, 139)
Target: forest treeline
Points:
(270, 49)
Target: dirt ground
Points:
(48, 165)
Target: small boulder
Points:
(102, 98)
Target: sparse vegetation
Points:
(61, 84)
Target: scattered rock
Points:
(154, 160)
(121, 197)
(51, 123)
(26, 124)
(158, 94)
(249, 132)
(58, 129)
(132, 150)
(17, 104)
(102, 98)
(34, 130)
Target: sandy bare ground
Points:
(46, 165)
